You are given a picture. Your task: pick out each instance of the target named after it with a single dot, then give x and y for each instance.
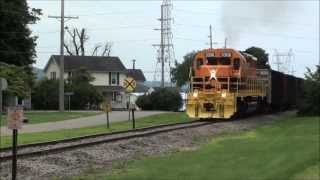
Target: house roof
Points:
(136, 74)
(91, 63)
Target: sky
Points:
(276, 26)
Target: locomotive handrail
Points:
(251, 84)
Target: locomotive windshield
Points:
(212, 60)
(224, 61)
(219, 60)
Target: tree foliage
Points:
(85, 94)
(17, 46)
(261, 55)
(166, 99)
(181, 71)
(310, 101)
(45, 95)
(17, 79)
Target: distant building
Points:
(109, 74)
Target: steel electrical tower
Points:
(283, 61)
(165, 48)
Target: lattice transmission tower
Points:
(284, 61)
(165, 50)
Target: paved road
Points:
(115, 116)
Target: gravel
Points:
(109, 155)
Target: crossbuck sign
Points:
(129, 84)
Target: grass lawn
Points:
(42, 117)
(62, 134)
(287, 149)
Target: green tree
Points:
(45, 95)
(310, 101)
(181, 71)
(261, 55)
(17, 79)
(17, 46)
(85, 94)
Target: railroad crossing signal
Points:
(129, 84)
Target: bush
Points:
(309, 103)
(144, 102)
(166, 99)
(86, 96)
(45, 95)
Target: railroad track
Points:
(51, 147)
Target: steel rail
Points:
(141, 132)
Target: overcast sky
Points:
(130, 25)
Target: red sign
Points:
(15, 117)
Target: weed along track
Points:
(44, 148)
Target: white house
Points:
(109, 73)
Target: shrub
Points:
(144, 102)
(166, 99)
(45, 95)
(309, 103)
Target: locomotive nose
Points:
(213, 72)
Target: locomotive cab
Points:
(220, 77)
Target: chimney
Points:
(133, 63)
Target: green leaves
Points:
(166, 99)
(263, 57)
(17, 79)
(310, 101)
(181, 71)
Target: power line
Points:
(255, 33)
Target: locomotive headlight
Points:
(195, 94)
(223, 94)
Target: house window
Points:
(53, 75)
(114, 78)
(69, 78)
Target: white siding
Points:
(52, 67)
(122, 77)
(101, 79)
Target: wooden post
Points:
(133, 119)
(107, 114)
(14, 153)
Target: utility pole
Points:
(225, 42)
(61, 75)
(210, 36)
(133, 63)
